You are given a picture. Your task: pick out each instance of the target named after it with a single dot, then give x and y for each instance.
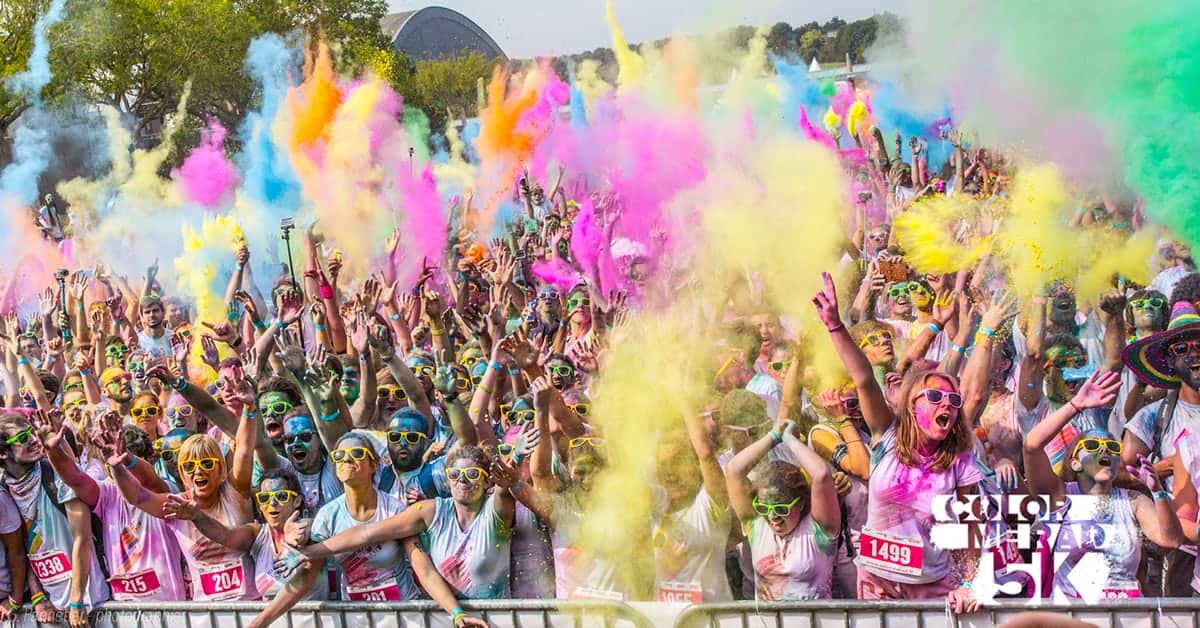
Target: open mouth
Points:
(200, 482)
(298, 455)
(943, 419)
(1105, 462)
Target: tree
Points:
(448, 84)
(810, 43)
(16, 39)
(781, 39)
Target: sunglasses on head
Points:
(1076, 361)
(204, 464)
(520, 416)
(391, 392)
(276, 408)
(281, 496)
(1094, 445)
(780, 366)
(582, 408)
(779, 510)
(299, 437)
(472, 474)
(1152, 303)
(179, 412)
(935, 396)
(20, 438)
(138, 412)
(411, 438)
(356, 454)
(1183, 347)
(876, 338)
(580, 441)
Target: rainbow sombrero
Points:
(1148, 358)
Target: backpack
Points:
(51, 489)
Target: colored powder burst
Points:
(856, 117)
(314, 102)
(930, 231)
(630, 64)
(204, 264)
(85, 196)
(424, 226)
(144, 182)
(30, 82)
(207, 175)
(268, 179)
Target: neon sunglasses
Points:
(463, 383)
(520, 416)
(20, 438)
(753, 431)
(423, 369)
(899, 289)
(575, 303)
(505, 449)
(205, 464)
(780, 366)
(935, 396)
(356, 454)
(391, 392)
(281, 496)
(561, 370)
(116, 353)
(1094, 445)
(580, 441)
(411, 437)
(1078, 361)
(75, 404)
(276, 408)
(144, 411)
(1183, 347)
(1152, 303)
(779, 510)
(582, 409)
(876, 338)
(472, 474)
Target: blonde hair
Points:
(199, 446)
(908, 433)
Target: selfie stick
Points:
(285, 227)
(65, 332)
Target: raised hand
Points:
(827, 305)
(1144, 472)
(517, 345)
(289, 351)
(1004, 305)
(209, 353)
(527, 440)
(504, 474)
(247, 301)
(359, 332)
(48, 301)
(242, 255)
(1112, 304)
(290, 306)
(379, 338)
(542, 390)
(221, 331)
(295, 530)
(1007, 474)
(945, 306)
(180, 507)
(1098, 391)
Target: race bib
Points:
(688, 592)
(50, 567)
(226, 580)
(386, 591)
(585, 593)
(138, 584)
(1004, 551)
(891, 553)
(1121, 591)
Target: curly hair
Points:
(137, 442)
(789, 480)
(909, 435)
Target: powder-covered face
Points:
(1100, 466)
(935, 420)
(349, 386)
(1187, 366)
(781, 526)
(465, 490)
(407, 455)
(769, 329)
(302, 444)
(1058, 388)
(277, 513)
(272, 405)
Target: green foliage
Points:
(449, 86)
(16, 40)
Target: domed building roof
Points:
(435, 32)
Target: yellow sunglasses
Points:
(206, 464)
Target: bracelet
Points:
(456, 614)
(514, 372)
(987, 331)
(281, 324)
(76, 606)
(132, 462)
(318, 327)
(326, 291)
(1071, 402)
(1161, 494)
(775, 435)
(439, 332)
(933, 328)
(362, 357)
(835, 328)
(484, 389)
(965, 584)
(249, 414)
(180, 384)
(394, 317)
(22, 361)
(85, 372)
(37, 597)
(13, 604)
(957, 349)
(332, 417)
(258, 324)
(496, 365)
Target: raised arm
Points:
(874, 406)
(544, 479)
(1099, 391)
(414, 520)
(241, 468)
(737, 471)
(977, 376)
(444, 383)
(1154, 513)
(710, 470)
(132, 490)
(1112, 315)
(1033, 368)
(183, 507)
(825, 508)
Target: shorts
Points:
(873, 587)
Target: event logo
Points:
(1031, 548)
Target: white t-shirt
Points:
(10, 521)
(798, 566)
(266, 580)
(319, 488)
(532, 573)
(374, 573)
(48, 538)
(216, 572)
(689, 551)
(475, 561)
(156, 347)
(901, 505)
(1056, 450)
(140, 549)
(578, 573)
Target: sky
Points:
(529, 28)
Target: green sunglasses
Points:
(276, 408)
(779, 510)
(21, 437)
(1153, 303)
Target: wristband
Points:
(987, 331)
(437, 332)
(85, 372)
(281, 324)
(496, 365)
(394, 317)
(180, 384)
(775, 435)
(965, 584)
(456, 614)
(326, 291)
(362, 357)
(1161, 494)
(933, 328)
(484, 389)
(258, 324)
(332, 417)
(1071, 402)
(957, 349)
(249, 414)
(514, 372)
(22, 361)
(76, 606)
(132, 462)
(318, 328)
(835, 328)
(13, 604)
(37, 597)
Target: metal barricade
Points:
(422, 614)
(1135, 613)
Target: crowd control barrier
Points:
(424, 614)
(1127, 613)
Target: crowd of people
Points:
(337, 439)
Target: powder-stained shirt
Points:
(689, 551)
(475, 561)
(140, 550)
(373, 573)
(798, 566)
